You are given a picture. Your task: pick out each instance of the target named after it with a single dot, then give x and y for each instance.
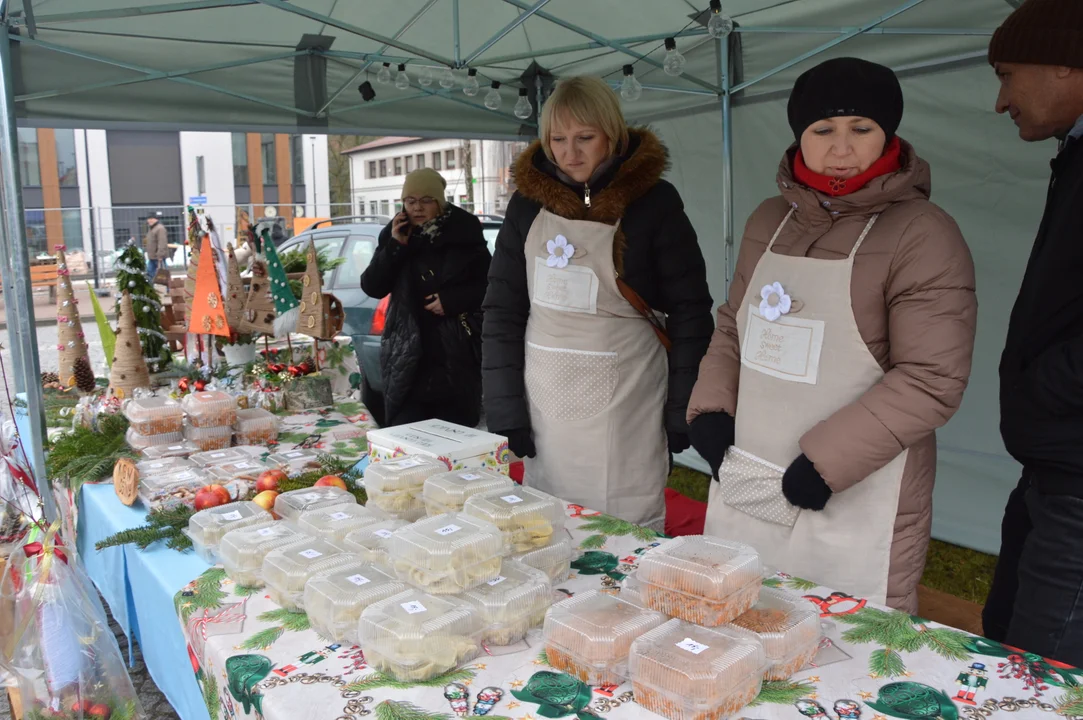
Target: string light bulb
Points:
(630, 89)
(402, 80)
(674, 62)
(424, 78)
(471, 87)
(492, 98)
(719, 26)
(384, 76)
(523, 110)
(447, 79)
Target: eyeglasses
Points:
(415, 202)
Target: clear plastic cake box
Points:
(334, 522)
(207, 527)
(683, 671)
(512, 603)
(789, 628)
(555, 559)
(701, 579)
(529, 518)
(248, 470)
(183, 448)
(154, 415)
(447, 553)
(164, 466)
(210, 409)
(458, 447)
(370, 543)
(242, 551)
(219, 457)
(256, 426)
(395, 486)
(449, 491)
(290, 505)
(295, 462)
(171, 489)
(209, 438)
(590, 634)
(286, 569)
(138, 441)
(335, 599)
(414, 636)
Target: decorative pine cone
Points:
(49, 377)
(84, 376)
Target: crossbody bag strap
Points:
(644, 309)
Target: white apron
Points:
(796, 372)
(596, 379)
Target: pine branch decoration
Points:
(162, 525)
(609, 525)
(381, 680)
(396, 710)
(593, 542)
(886, 663)
(783, 693)
(264, 639)
(210, 694)
(1070, 704)
(86, 455)
(206, 594)
(946, 643)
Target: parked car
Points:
(355, 239)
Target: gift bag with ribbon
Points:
(58, 645)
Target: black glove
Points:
(803, 486)
(520, 442)
(712, 435)
(678, 442)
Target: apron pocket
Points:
(754, 486)
(570, 385)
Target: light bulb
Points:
(425, 78)
(674, 61)
(523, 110)
(719, 26)
(384, 76)
(630, 89)
(447, 79)
(492, 98)
(471, 87)
(402, 80)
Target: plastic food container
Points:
(529, 519)
(210, 438)
(447, 492)
(154, 415)
(218, 457)
(334, 600)
(395, 486)
(177, 449)
(256, 426)
(701, 579)
(335, 522)
(555, 559)
(286, 569)
(447, 553)
(290, 505)
(632, 591)
(139, 441)
(590, 634)
(210, 409)
(247, 470)
(171, 489)
(511, 603)
(294, 462)
(164, 466)
(414, 636)
(207, 527)
(242, 551)
(686, 672)
(789, 629)
(370, 543)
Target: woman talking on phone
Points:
(433, 261)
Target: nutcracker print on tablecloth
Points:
(458, 697)
(811, 709)
(847, 709)
(970, 681)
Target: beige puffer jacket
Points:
(913, 297)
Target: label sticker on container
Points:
(156, 465)
(692, 646)
(409, 463)
(235, 515)
(339, 516)
(295, 453)
(311, 496)
(358, 580)
(470, 477)
(413, 607)
(382, 533)
(497, 580)
(310, 554)
(266, 532)
(448, 529)
(217, 455)
(511, 499)
(243, 465)
(175, 447)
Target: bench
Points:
(44, 275)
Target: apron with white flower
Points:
(802, 360)
(596, 377)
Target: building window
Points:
(374, 209)
(240, 159)
(29, 169)
(201, 176)
(398, 166)
(372, 169)
(65, 158)
(436, 160)
(449, 158)
(420, 161)
(361, 206)
(297, 160)
(267, 154)
(383, 168)
(72, 221)
(385, 207)
(409, 164)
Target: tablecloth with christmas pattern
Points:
(253, 659)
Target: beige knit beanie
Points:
(425, 182)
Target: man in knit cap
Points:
(1036, 601)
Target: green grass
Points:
(955, 570)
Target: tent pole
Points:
(15, 264)
(727, 160)
(455, 30)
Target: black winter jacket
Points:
(656, 252)
(437, 357)
(1041, 369)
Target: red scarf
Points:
(889, 162)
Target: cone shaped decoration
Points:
(195, 235)
(259, 306)
(321, 314)
(234, 291)
(286, 305)
(74, 362)
(129, 368)
(208, 312)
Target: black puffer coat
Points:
(427, 359)
(655, 251)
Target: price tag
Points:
(385, 534)
(154, 466)
(470, 477)
(339, 516)
(175, 447)
(243, 465)
(409, 463)
(312, 496)
(413, 607)
(692, 646)
(511, 499)
(218, 455)
(497, 580)
(310, 554)
(295, 453)
(448, 529)
(230, 516)
(266, 532)
(358, 580)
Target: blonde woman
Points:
(598, 310)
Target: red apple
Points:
(221, 492)
(266, 500)
(269, 479)
(208, 498)
(101, 711)
(331, 481)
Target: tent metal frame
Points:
(14, 259)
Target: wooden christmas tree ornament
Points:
(235, 296)
(322, 316)
(208, 313)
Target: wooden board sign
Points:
(126, 480)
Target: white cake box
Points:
(456, 446)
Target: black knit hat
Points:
(842, 87)
(1041, 32)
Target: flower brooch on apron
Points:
(560, 252)
(776, 302)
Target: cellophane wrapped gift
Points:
(59, 648)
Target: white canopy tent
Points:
(295, 65)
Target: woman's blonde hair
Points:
(589, 101)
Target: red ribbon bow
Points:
(36, 548)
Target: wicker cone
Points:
(129, 368)
(71, 343)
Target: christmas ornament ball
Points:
(131, 283)
(146, 308)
